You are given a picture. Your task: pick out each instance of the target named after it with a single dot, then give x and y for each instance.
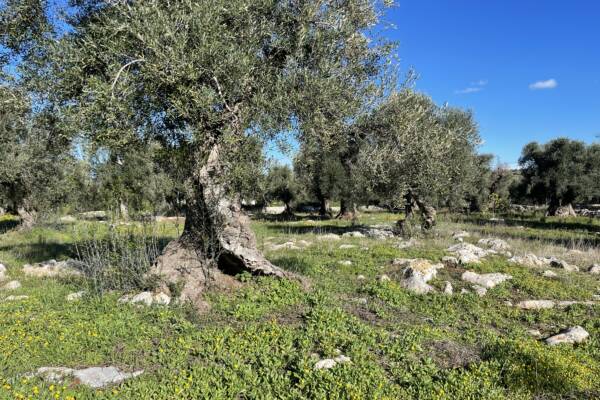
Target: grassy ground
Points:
(263, 340)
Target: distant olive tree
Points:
(281, 185)
(414, 151)
(559, 173)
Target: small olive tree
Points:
(413, 151)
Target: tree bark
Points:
(412, 203)
(27, 215)
(123, 210)
(216, 242)
(324, 208)
(348, 210)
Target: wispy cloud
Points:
(469, 90)
(541, 85)
(476, 86)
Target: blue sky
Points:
(485, 55)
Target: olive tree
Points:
(414, 151)
(557, 173)
(205, 77)
(281, 185)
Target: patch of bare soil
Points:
(449, 354)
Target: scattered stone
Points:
(342, 359)
(147, 298)
(448, 288)
(329, 237)
(535, 333)
(325, 364)
(594, 269)
(563, 264)
(329, 363)
(536, 304)
(361, 277)
(497, 220)
(469, 253)
(508, 303)
(572, 335)
(304, 243)
(16, 298)
(379, 232)
(460, 235)
(450, 261)
(417, 272)
(356, 234)
(384, 278)
(75, 296)
(53, 268)
(347, 246)
(284, 246)
(94, 377)
(405, 244)
(546, 304)
(68, 219)
(464, 291)
(531, 260)
(362, 301)
(480, 290)
(496, 244)
(487, 281)
(345, 262)
(94, 215)
(549, 274)
(12, 285)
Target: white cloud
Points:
(481, 82)
(469, 90)
(540, 85)
(474, 87)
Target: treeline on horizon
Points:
(140, 107)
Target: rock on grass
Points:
(572, 335)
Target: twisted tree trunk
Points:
(412, 203)
(28, 216)
(216, 242)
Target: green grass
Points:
(262, 341)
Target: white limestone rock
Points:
(487, 281)
(572, 335)
(12, 285)
(94, 377)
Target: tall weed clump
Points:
(118, 259)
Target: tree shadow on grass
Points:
(7, 225)
(293, 264)
(535, 224)
(309, 229)
(42, 251)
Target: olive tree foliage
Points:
(32, 164)
(415, 152)
(319, 173)
(559, 173)
(202, 78)
(280, 184)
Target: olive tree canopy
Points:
(415, 151)
(204, 77)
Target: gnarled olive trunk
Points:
(412, 203)
(28, 216)
(348, 210)
(216, 242)
(324, 207)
